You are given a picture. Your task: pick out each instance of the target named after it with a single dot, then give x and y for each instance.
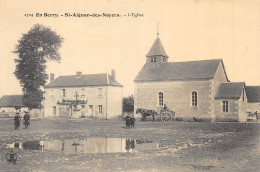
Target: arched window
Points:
(194, 98)
(160, 94)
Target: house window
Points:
(100, 92)
(225, 106)
(99, 109)
(194, 98)
(83, 92)
(63, 92)
(160, 94)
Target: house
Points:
(231, 102)
(80, 95)
(10, 104)
(194, 89)
(253, 99)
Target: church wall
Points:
(219, 77)
(177, 97)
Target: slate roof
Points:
(157, 49)
(84, 80)
(230, 90)
(253, 93)
(204, 69)
(12, 101)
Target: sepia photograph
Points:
(130, 85)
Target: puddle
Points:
(89, 145)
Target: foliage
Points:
(34, 49)
(128, 104)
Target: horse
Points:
(145, 113)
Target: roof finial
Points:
(157, 29)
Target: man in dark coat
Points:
(26, 119)
(17, 120)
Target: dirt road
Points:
(183, 146)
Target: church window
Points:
(194, 98)
(225, 106)
(160, 94)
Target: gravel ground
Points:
(184, 146)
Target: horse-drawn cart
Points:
(166, 115)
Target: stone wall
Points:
(219, 77)
(177, 97)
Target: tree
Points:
(128, 104)
(34, 49)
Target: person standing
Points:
(17, 120)
(26, 119)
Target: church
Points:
(192, 89)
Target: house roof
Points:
(157, 49)
(253, 93)
(84, 80)
(204, 69)
(230, 90)
(12, 101)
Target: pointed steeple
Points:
(157, 49)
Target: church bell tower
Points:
(157, 53)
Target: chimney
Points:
(113, 75)
(78, 74)
(51, 77)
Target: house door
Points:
(82, 110)
(64, 112)
(54, 111)
(91, 110)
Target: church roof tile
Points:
(204, 69)
(157, 49)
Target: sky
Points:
(189, 30)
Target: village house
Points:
(193, 89)
(253, 99)
(10, 104)
(80, 95)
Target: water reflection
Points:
(90, 145)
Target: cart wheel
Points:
(166, 116)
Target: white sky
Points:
(189, 30)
